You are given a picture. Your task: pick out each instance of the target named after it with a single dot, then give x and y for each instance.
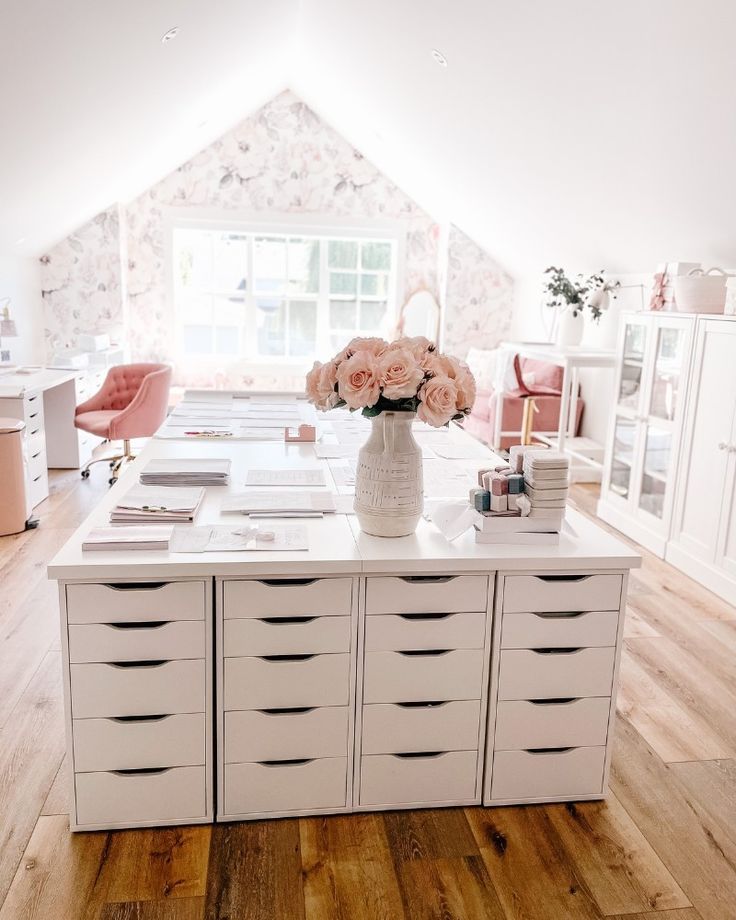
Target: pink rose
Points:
(418, 345)
(312, 383)
(465, 383)
(437, 401)
(357, 380)
(399, 373)
(321, 382)
(376, 346)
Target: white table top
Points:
(336, 544)
(571, 356)
(14, 384)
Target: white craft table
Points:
(364, 673)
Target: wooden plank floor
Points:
(662, 847)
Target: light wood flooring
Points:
(662, 847)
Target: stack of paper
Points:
(125, 538)
(282, 503)
(178, 472)
(147, 504)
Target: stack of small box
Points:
(522, 501)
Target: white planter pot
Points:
(570, 328)
(389, 487)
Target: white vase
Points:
(389, 487)
(570, 328)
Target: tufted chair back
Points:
(134, 396)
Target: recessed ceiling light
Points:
(168, 36)
(439, 57)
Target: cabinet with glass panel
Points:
(651, 380)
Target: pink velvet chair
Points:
(132, 403)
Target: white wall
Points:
(21, 281)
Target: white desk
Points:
(362, 674)
(571, 360)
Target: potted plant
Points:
(570, 298)
(391, 383)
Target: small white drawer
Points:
(131, 602)
(38, 488)
(34, 418)
(555, 774)
(525, 674)
(546, 593)
(426, 594)
(32, 405)
(126, 798)
(285, 734)
(559, 630)
(393, 779)
(392, 728)
(280, 683)
(286, 597)
(302, 785)
(406, 631)
(551, 723)
(137, 641)
(37, 465)
(396, 677)
(286, 636)
(101, 690)
(154, 741)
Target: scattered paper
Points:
(248, 537)
(285, 477)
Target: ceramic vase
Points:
(389, 487)
(570, 328)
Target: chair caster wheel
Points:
(85, 474)
(112, 480)
(111, 464)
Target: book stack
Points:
(128, 537)
(151, 505)
(546, 485)
(663, 293)
(163, 472)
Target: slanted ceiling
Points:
(575, 132)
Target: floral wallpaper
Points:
(282, 159)
(478, 297)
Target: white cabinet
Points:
(637, 491)
(703, 539)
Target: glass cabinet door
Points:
(632, 368)
(669, 357)
(622, 459)
(655, 468)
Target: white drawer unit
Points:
(286, 734)
(286, 636)
(522, 724)
(559, 630)
(29, 409)
(287, 597)
(418, 779)
(540, 774)
(137, 641)
(427, 594)
(286, 681)
(439, 675)
(416, 631)
(574, 592)
(157, 796)
(302, 785)
(399, 728)
(530, 674)
(140, 742)
(131, 602)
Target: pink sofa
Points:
(539, 379)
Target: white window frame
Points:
(294, 225)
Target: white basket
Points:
(701, 292)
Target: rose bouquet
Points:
(407, 375)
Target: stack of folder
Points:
(165, 472)
(148, 504)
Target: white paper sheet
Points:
(285, 477)
(244, 538)
(245, 502)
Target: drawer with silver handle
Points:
(137, 688)
(436, 674)
(155, 795)
(287, 597)
(420, 778)
(559, 630)
(530, 674)
(135, 742)
(137, 641)
(552, 723)
(286, 681)
(407, 631)
(426, 594)
(302, 784)
(135, 601)
(285, 635)
(397, 728)
(575, 592)
(558, 773)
